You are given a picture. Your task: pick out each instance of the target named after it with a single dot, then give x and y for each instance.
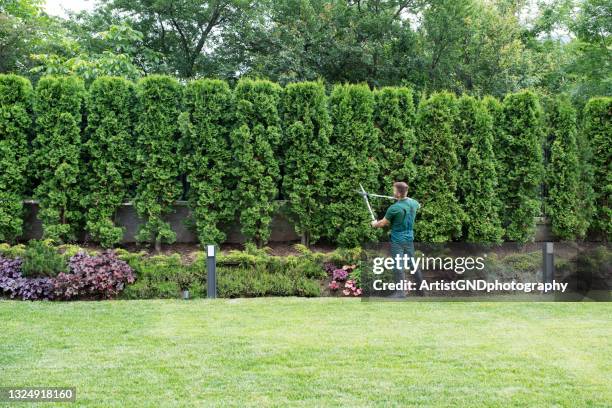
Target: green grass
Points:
(311, 352)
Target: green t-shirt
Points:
(401, 217)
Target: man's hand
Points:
(380, 223)
(374, 223)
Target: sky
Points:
(57, 7)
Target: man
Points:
(400, 216)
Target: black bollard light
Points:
(211, 268)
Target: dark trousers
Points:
(404, 248)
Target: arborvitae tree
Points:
(598, 132)
(496, 110)
(109, 152)
(522, 162)
(478, 183)
(255, 167)
(394, 116)
(206, 157)
(563, 205)
(157, 162)
(57, 153)
(354, 147)
(306, 144)
(441, 216)
(15, 122)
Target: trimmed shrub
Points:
(57, 155)
(157, 160)
(563, 205)
(598, 130)
(522, 161)
(15, 122)
(441, 215)
(394, 116)
(206, 156)
(41, 259)
(496, 110)
(354, 149)
(306, 145)
(110, 154)
(478, 183)
(256, 168)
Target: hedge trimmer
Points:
(365, 196)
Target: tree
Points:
(598, 128)
(478, 184)
(354, 147)
(157, 162)
(206, 124)
(306, 144)
(522, 158)
(15, 122)
(110, 155)
(256, 168)
(394, 116)
(56, 155)
(441, 215)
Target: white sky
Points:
(57, 7)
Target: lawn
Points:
(311, 352)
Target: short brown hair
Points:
(401, 187)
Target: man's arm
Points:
(380, 223)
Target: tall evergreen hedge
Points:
(15, 122)
(110, 155)
(157, 163)
(496, 110)
(478, 181)
(394, 116)
(522, 161)
(441, 215)
(354, 150)
(563, 205)
(598, 131)
(56, 155)
(255, 165)
(206, 158)
(306, 143)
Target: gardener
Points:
(400, 216)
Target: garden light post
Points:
(211, 268)
(548, 262)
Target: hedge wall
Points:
(157, 161)
(15, 125)
(56, 155)
(110, 155)
(233, 152)
(598, 132)
(306, 158)
(206, 157)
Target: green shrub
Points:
(15, 122)
(563, 205)
(57, 155)
(478, 183)
(256, 168)
(496, 110)
(354, 147)
(306, 156)
(110, 154)
(206, 157)
(598, 130)
(441, 216)
(394, 116)
(522, 157)
(157, 159)
(41, 259)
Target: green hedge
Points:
(110, 155)
(598, 130)
(15, 128)
(306, 158)
(58, 109)
(522, 158)
(205, 154)
(353, 149)
(441, 216)
(157, 161)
